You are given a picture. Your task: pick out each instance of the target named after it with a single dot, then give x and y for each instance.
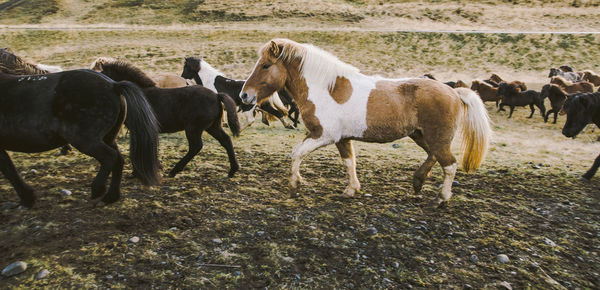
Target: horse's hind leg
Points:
(532, 110)
(423, 171)
(512, 109)
(108, 158)
(24, 191)
(547, 115)
(590, 173)
(194, 138)
(114, 191)
(439, 140)
(218, 133)
(347, 153)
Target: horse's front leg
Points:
(347, 153)
(308, 145)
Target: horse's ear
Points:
(274, 49)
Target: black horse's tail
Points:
(143, 146)
(231, 108)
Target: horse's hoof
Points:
(172, 174)
(439, 203)
(584, 179)
(294, 193)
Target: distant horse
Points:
(204, 74)
(567, 75)
(82, 108)
(165, 81)
(486, 92)
(512, 96)
(10, 63)
(582, 109)
(194, 109)
(557, 98)
(591, 77)
(339, 104)
(495, 80)
(570, 87)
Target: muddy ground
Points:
(202, 229)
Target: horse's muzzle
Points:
(246, 99)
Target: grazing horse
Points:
(82, 108)
(582, 109)
(567, 75)
(557, 98)
(487, 92)
(571, 88)
(204, 74)
(194, 109)
(339, 104)
(512, 96)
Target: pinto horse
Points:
(582, 109)
(194, 109)
(82, 108)
(338, 104)
(204, 74)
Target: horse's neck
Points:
(229, 86)
(208, 74)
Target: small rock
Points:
(549, 242)
(42, 274)
(270, 210)
(217, 241)
(134, 240)
(467, 286)
(33, 171)
(371, 231)
(237, 273)
(309, 280)
(395, 146)
(9, 205)
(535, 167)
(108, 277)
(65, 192)
(367, 195)
(396, 265)
(260, 233)
(502, 258)
(14, 269)
(474, 258)
(382, 271)
(504, 285)
(455, 183)
(297, 276)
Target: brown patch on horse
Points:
(391, 111)
(307, 108)
(342, 90)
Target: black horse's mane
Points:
(12, 64)
(121, 69)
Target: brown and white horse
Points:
(339, 104)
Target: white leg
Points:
(446, 192)
(249, 115)
(347, 154)
(299, 151)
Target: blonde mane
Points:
(316, 64)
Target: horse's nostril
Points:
(244, 96)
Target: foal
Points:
(557, 98)
(194, 109)
(339, 104)
(582, 109)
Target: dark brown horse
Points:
(194, 109)
(557, 98)
(82, 108)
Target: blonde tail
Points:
(476, 130)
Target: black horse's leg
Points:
(107, 156)
(24, 191)
(512, 109)
(548, 115)
(114, 190)
(501, 108)
(225, 141)
(590, 173)
(555, 115)
(194, 138)
(532, 110)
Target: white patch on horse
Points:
(208, 74)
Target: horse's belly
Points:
(31, 144)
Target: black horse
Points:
(192, 69)
(194, 109)
(82, 108)
(512, 96)
(582, 109)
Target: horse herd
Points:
(43, 108)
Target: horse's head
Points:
(191, 67)
(100, 61)
(475, 85)
(553, 72)
(269, 75)
(566, 68)
(577, 116)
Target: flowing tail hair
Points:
(231, 109)
(143, 146)
(476, 130)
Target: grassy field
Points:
(204, 230)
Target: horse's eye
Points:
(266, 66)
